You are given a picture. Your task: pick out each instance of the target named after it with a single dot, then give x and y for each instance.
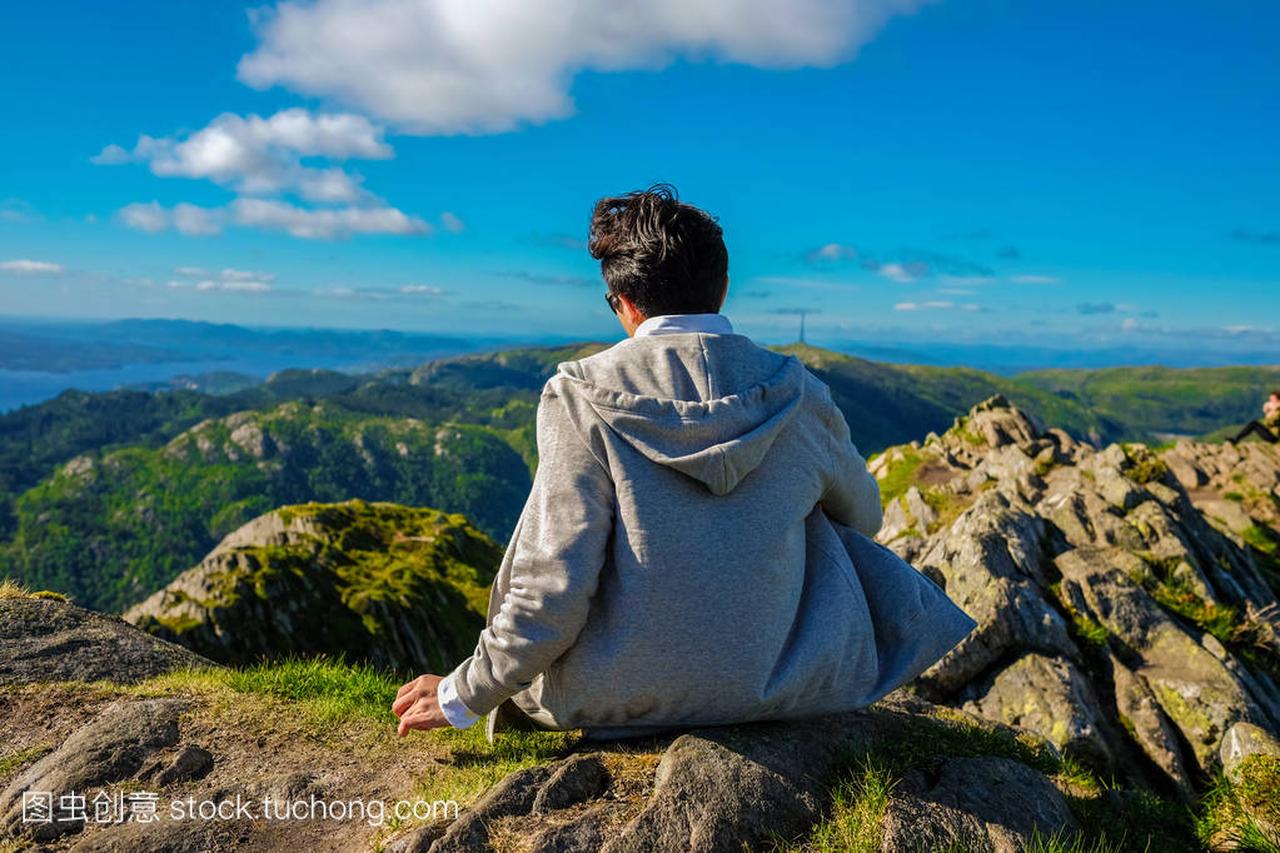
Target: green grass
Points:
(948, 506)
(858, 803)
(1245, 814)
(325, 690)
(1089, 630)
(1060, 842)
(333, 689)
(1260, 538)
(365, 574)
(10, 588)
(900, 475)
(477, 764)
(326, 693)
(11, 762)
(1265, 553)
(1140, 401)
(1245, 636)
(1144, 466)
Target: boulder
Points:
(1243, 740)
(1050, 697)
(45, 639)
(980, 804)
(991, 563)
(1157, 738)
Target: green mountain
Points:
(111, 527)
(401, 588)
(887, 404)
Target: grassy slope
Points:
(1149, 400)
(889, 404)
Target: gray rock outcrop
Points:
(1118, 617)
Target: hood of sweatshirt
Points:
(716, 441)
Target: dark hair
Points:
(1275, 393)
(665, 256)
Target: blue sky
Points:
(1066, 174)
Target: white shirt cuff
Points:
(458, 714)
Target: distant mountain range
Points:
(108, 496)
(40, 359)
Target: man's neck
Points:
(666, 324)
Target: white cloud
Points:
(1034, 279)
(230, 274)
(897, 272)
(324, 223)
(263, 156)
(207, 285)
(831, 253)
(25, 266)
(273, 215)
(452, 223)
(227, 279)
(963, 281)
(16, 210)
(196, 221)
(930, 306)
(457, 66)
(227, 274)
(152, 217)
(112, 155)
(378, 294)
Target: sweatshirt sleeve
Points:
(556, 555)
(853, 495)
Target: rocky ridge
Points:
(1118, 616)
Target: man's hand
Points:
(417, 706)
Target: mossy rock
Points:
(403, 588)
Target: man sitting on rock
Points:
(694, 550)
(1268, 429)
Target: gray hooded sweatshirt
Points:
(687, 552)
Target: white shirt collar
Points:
(666, 324)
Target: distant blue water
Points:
(22, 387)
(155, 351)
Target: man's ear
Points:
(629, 311)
